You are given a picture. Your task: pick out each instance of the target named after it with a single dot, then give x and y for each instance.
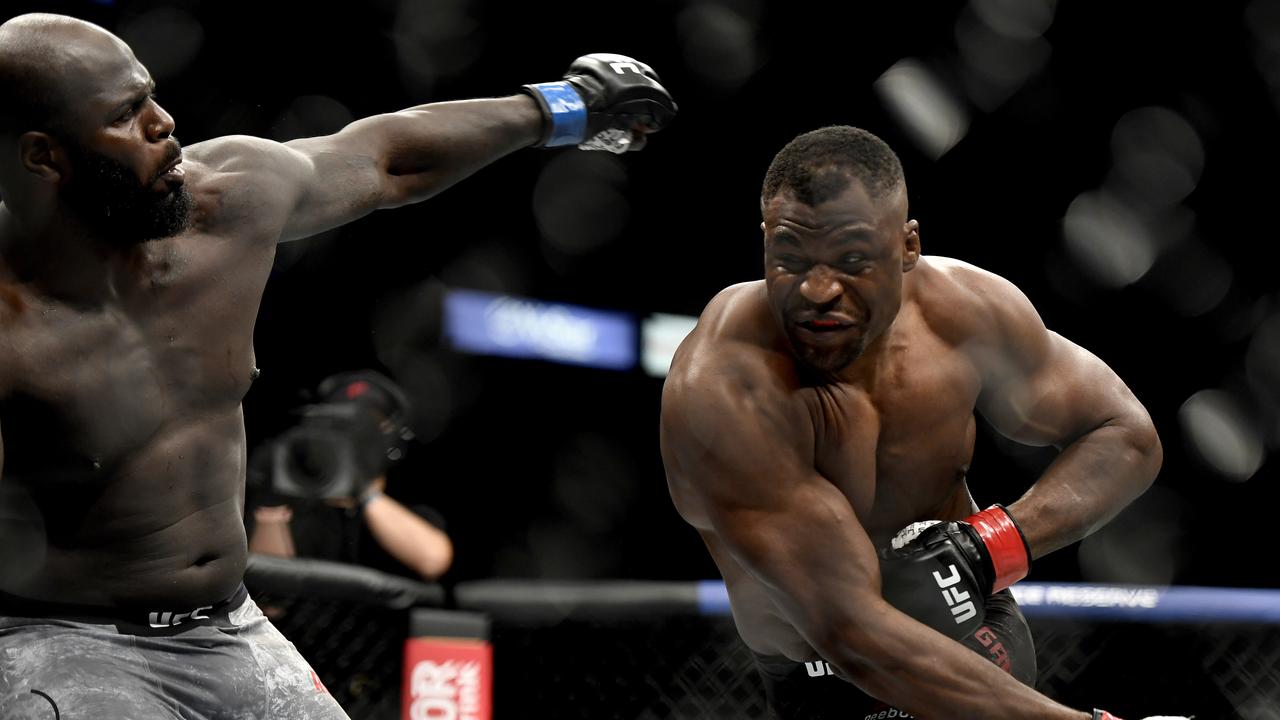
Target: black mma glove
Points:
(605, 102)
(941, 573)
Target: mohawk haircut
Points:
(817, 165)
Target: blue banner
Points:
(1115, 603)
(491, 324)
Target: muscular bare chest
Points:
(899, 448)
(92, 383)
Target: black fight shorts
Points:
(809, 691)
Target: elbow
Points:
(398, 190)
(1155, 456)
(1147, 448)
(436, 562)
(858, 644)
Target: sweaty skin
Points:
(123, 365)
(812, 415)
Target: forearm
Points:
(423, 150)
(1089, 482)
(911, 667)
(272, 534)
(414, 542)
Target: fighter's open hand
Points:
(605, 102)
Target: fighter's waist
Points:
(142, 615)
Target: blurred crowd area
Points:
(1112, 160)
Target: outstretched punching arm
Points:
(606, 102)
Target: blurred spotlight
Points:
(1109, 243)
(1192, 278)
(594, 482)
(1262, 360)
(1021, 19)
(996, 64)
(166, 40)
(1140, 546)
(578, 203)
(933, 119)
(434, 40)
(22, 534)
(1259, 708)
(311, 116)
(1156, 155)
(718, 44)
(660, 337)
(1262, 18)
(1222, 434)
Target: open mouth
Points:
(824, 326)
(173, 168)
(171, 175)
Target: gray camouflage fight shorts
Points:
(225, 662)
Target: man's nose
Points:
(820, 286)
(160, 124)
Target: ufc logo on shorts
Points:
(962, 607)
(168, 619)
(817, 669)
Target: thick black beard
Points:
(106, 195)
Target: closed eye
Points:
(854, 263)
(792, 263)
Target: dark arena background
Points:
(1114, 160)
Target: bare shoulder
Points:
(733, 336)
(244, 182)
(965, 303)
(733, 367)
(235, 153)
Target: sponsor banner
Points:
(447, 679)
(490, 324)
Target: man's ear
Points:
(42, 156)
(910, 245)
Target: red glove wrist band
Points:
(1010, 555)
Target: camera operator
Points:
(319, 489)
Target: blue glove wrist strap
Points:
(568, 113)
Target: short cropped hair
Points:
(817, 165)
